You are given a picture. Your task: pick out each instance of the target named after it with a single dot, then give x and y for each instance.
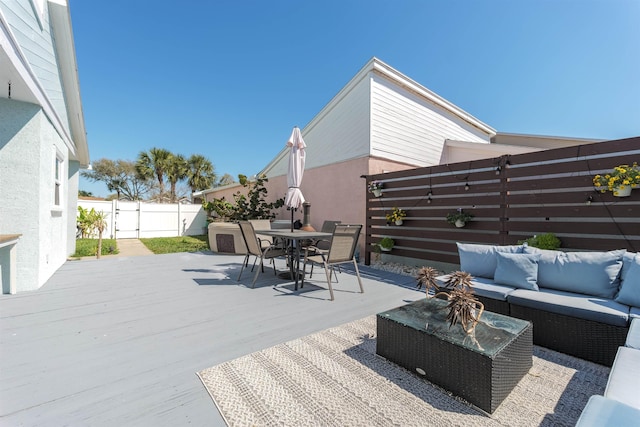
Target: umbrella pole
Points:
(291, 220)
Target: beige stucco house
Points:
(383, 121)
(43, 141)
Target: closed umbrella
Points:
(294, 198)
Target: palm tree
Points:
(177, 169)
(201, 173)
(154, 163)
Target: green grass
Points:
(89, 247)
(168, 245)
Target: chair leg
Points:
(304, 270)
(244, 264)
(355, 264)
(328, 273)
(255, 277)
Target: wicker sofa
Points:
(580, 303)
(620, 404)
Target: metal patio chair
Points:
(259, 249)
(342, 250)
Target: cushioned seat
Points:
(602, 412)
(624, 377)
(581, 306)
(634, 313)
(633, 337)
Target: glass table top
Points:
(493, 332)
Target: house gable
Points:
(382, 113)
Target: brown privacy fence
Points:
(512, 197)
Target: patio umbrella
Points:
(294, 198)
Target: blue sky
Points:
(229, 79)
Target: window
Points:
(57, 180)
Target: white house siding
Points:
(37, 44)
(339, 132)
(408, 128)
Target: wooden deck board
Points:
(119, 341)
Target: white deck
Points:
(117, 342)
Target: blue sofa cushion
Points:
(571, 304)
(627, 259)
(480, 260)
(517, 270)
(634, 313)
(589, 273)
(623, 378)
(630, 286)
(484, 287)
(601, 411)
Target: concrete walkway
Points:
(132, 247)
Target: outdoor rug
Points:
(334, 378)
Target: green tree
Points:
(201, 173)
(82, 193)
(119, 176)
(177, 170)
(251, 206)
(154, 163)
(99, 222)
(90, 221)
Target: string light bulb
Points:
(466, 186)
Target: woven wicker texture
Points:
(334, 378)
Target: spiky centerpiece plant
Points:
(427, 277)
(463, 307)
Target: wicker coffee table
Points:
(482, 367)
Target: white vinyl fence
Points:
(134, 220)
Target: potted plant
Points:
(619, 181)
(386, 243)
(459, 218)
(375, 187)
(543, 241)
(396, 216)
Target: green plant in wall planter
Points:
(459, 218)
(386, 244)
(543, 241)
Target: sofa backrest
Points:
(481, 260)
(589, 273)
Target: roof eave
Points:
(66, 54)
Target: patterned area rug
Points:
(334, 378)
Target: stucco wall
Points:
(28, 146)
(335, 192)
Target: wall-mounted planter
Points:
(624, 191)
